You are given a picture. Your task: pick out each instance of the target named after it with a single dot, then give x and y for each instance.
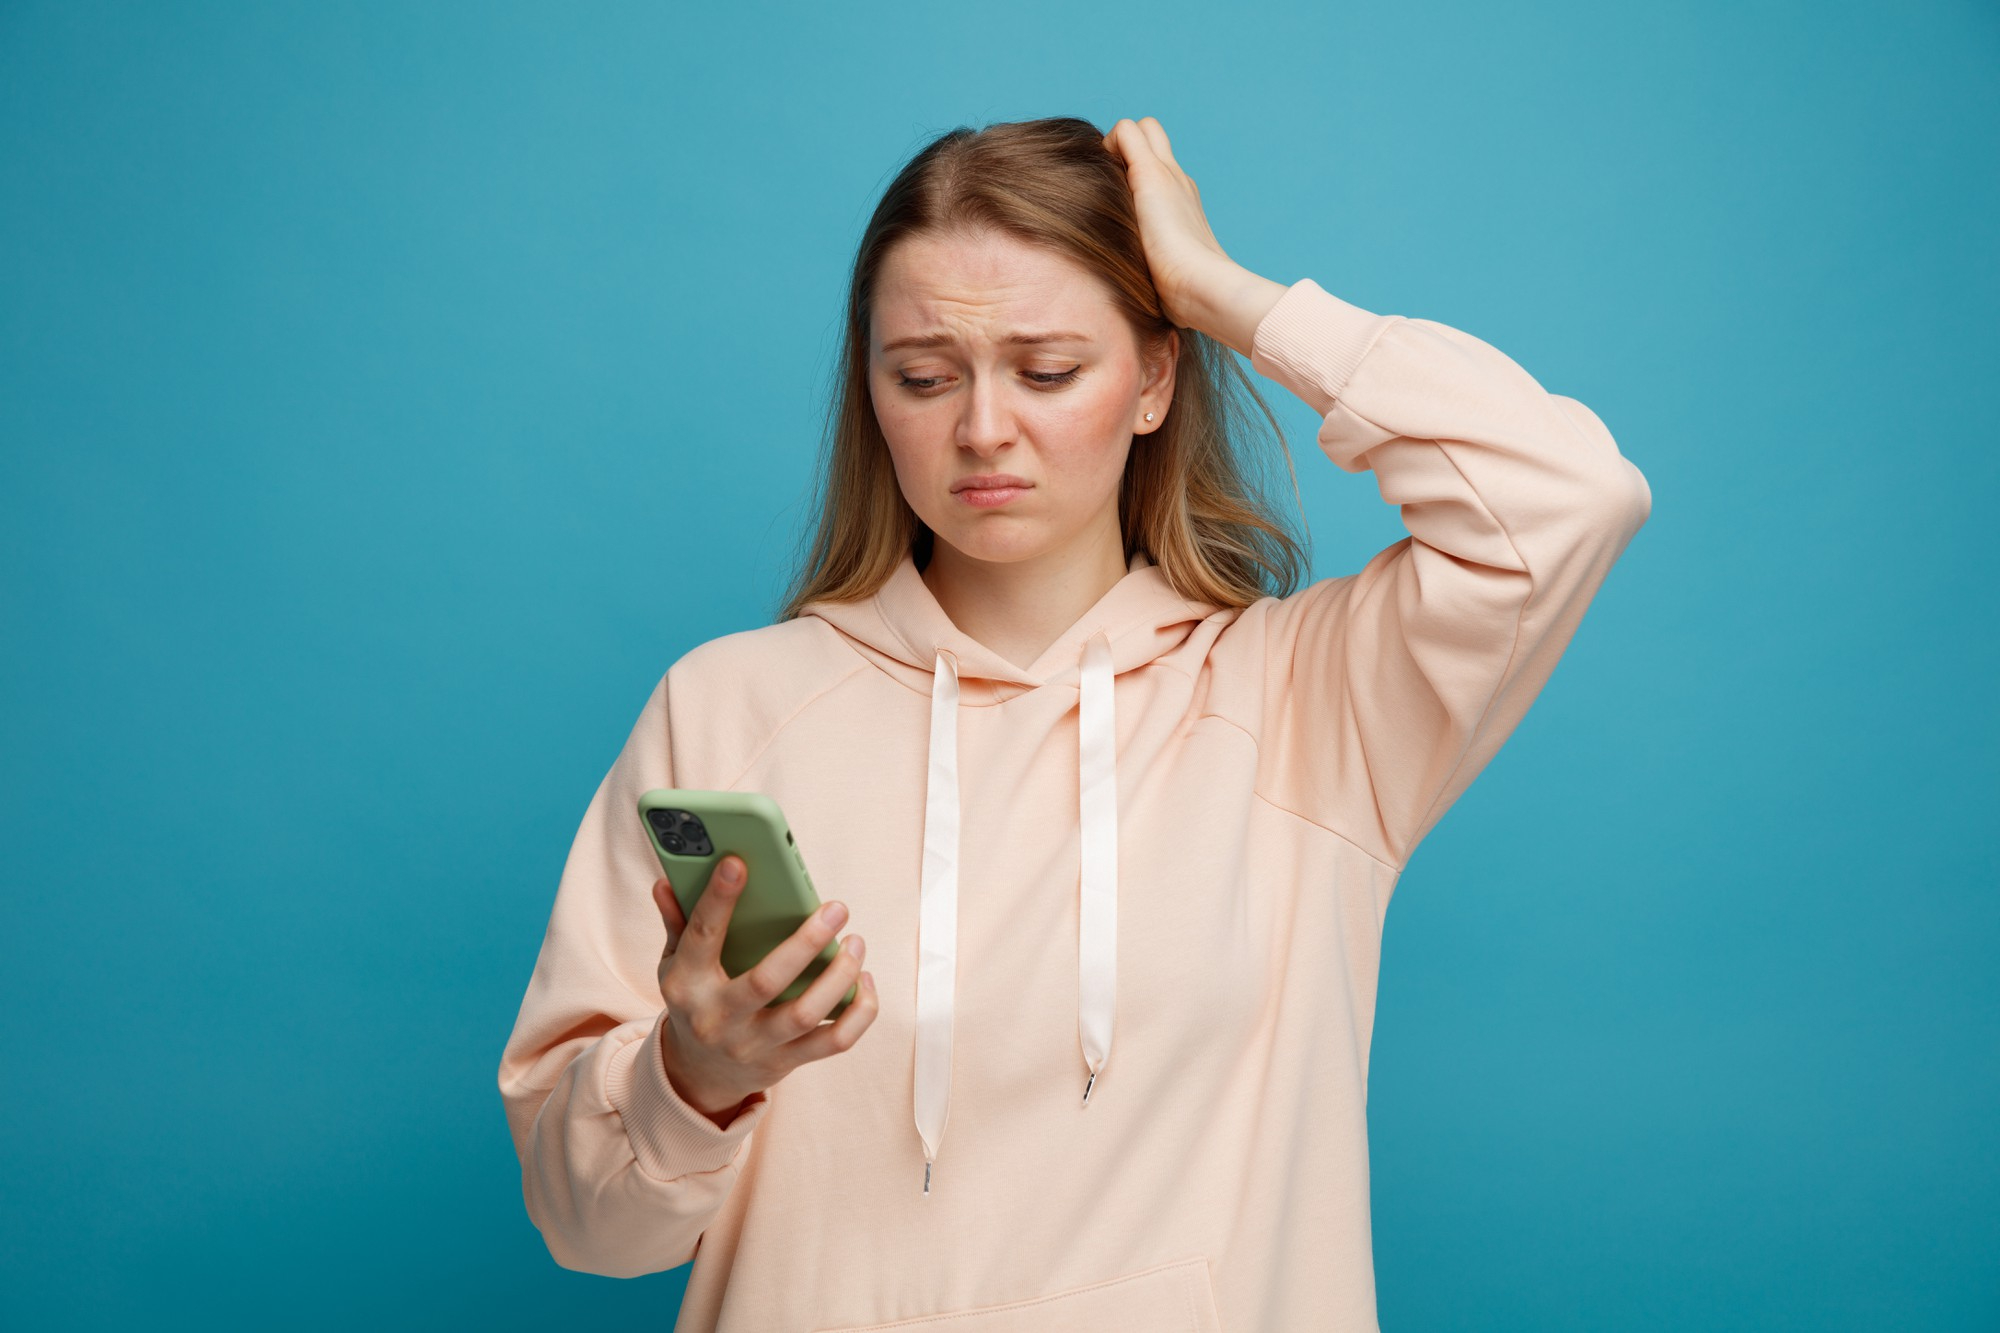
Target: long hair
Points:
(1188, 499)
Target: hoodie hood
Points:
(904, 630)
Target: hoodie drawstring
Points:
(937, 914)
(937, 907)
(1097, 799)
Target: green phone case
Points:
(776, 899)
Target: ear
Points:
(1157, 395)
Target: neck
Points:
(1018, 608)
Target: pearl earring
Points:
(1149, 416)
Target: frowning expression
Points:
(993, 358)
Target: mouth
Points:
(989, 481)
(989, 490)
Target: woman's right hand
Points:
(722, 1046)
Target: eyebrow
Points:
(1023, 339)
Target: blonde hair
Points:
(1187, 498)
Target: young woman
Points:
(1118, 812)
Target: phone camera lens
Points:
(680, 831)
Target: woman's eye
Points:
(1045, 377)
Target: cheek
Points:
(910, 448)
(904, 434)
(1084, 435)
(916, 458)
(906, 418)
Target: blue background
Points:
(350, 354)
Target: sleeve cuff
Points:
(1311, 341)
(669, 1137)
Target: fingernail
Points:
(731, 871)
(835, 914)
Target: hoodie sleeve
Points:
(620, 1175)
(1393, 686)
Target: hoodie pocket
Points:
(1170, 1298)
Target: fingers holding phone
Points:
(724, 1043)
(804, 1015)
(753, 992)
(670, 913)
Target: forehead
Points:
(983, 286)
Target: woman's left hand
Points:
(1186, 259)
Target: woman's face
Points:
(976, 399)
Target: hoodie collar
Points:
(907, 633)
(902, 627)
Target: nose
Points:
(986, 423)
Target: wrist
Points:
(715, 1108)
(1230, 303)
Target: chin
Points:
(990, 547)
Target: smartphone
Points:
(692, 831)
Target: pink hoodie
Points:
(1123, 905)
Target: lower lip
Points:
(988, 496)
